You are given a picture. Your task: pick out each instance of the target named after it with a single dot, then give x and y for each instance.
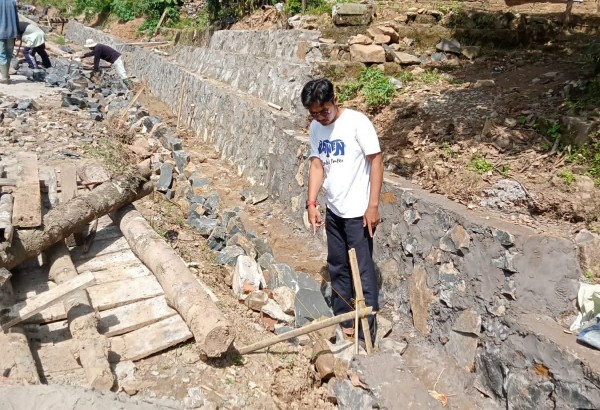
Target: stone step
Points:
(278, 82)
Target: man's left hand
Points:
(371, 219)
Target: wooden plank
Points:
(68, 181)
(107, 296)
(26, 309)
(6, 210)
(149, 340)
(27, 210)
(123, 319)
(54, 332)
(99, 248)
(117, 273)
(122, 258)
(114, 294)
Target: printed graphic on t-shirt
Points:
(336, 148)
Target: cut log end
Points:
(217, 342)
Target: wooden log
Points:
(92, 347)
(360, 301)
(68, 181)
(183, 291)
(71, 217)
(16, 360)
(6, 209)
(24, 310)
(311, 327)
(27, 209)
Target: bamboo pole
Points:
(360, 301)
(305, 329)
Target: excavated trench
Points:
(486, 300)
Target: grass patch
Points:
(373, 85)
(113, 155)
(589, 275)
(60, 40)
(428, 77)
(567, 176)
(479, 165)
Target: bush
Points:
(373, 85)
(312, 7)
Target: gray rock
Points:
(509, 289)
(457, 240)
(469, 322)
(198, 181)
(149, 122)
(352, 14)
(575, 395)
(410, 246)
(217, 239)
(406, 58)
(202, 224)
(96, 115)
(438, 57)
(471, 52)
(350, 397)
(392, 346)
(235, 225)
(243, 242)
(310, 305)
(307, 282)
(166, 177)
(71, 100)
(505, 238)
(181, 158)
(229, 255)
(171, 142)
(281, 274)
(212, 204)
(522, 393)
(490, 372)
(449, 46)
(262, 246)
(265, 261)
(505, 261)
(463, 347)
(505, 193)
(412, 216)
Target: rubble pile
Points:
(100, 97)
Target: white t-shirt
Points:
(342, 147)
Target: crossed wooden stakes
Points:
(361, 311)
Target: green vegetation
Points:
(428, 77)
(373, 85)
(589, 275)
(60, 40)
(447, 6)
(479, 165)
(504, 170)
(567, 176)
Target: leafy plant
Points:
(554, 131)
(372, 84)
(312, 7)
(567, 176)
(479, 165)
(504, 170)
(589, 275)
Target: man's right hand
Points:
(314, 217)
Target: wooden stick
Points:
(360, 300)
(304, 330)
(277, 107)
(24, 310)
(8, 182)
(6, 209)
(133, 101)
(162, 18)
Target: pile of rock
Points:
(103, 97)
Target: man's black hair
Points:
(317, 91)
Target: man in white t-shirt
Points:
(345, 150)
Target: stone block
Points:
(235, 225)
(449, 46)
(307, 282)
(463, 348)
(256, 300)
(181, 158)
(468, 322)
(323, 359)
(406, 58)
(229, 255)
(281, 274)
(310, 305)
(349, 397)
(577, 131)
(241, 240)
(217, 239)
(262, 246)
(367, 53)
(272, 309)
(457, 240)
(360, 39)
(212, 204)
(202, 224)
(166, 177)
(352, 14)
(420, 297)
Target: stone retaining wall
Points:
(467, 278)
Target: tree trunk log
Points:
(92, 347)
(16, 361)
(183, 292)
(72, 216)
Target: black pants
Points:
(343, 234)
(30, 53)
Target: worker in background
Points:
(109, 54)
(9, 30)
(35, 43)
